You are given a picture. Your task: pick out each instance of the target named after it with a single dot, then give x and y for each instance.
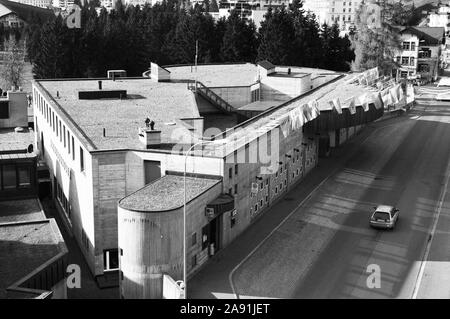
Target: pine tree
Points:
(239, 40)
(277, 33)
(192, 27)
(11, 70)
(53, 58)
(213, 7)
(337, 50)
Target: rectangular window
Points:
(111, 259)
(56, 124)
(194, 239)
(4, 110)
(405, 60)
(406, 46)
(230, 191)
(230, 172)
(24, 176)
(205, 240)
(413, 46)
(235, 188)
(73, 149)
(64, 135)
(232, 218)
(411, 61)
(9, 176)
(81, 160)
(60, 132)
(235, 169)
(68, 142)
(194, 261)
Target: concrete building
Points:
(34, 256)
(124, 140)
(18, 161)
(421, 55)
(15, 14)
(32, 251)
(36, 3)
(342, 12)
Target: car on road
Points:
(384, 216)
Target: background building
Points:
(15, 14)
(421, 56)
(342, 12)
(33, 253)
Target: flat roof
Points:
(261, 124)
(339, 89)
(163, 102)
(25, 246)
(167, 193)
(260, 106)
(216, 75)
(15, 141)
(20, 210)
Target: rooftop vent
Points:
(103, 94)
(113, 74)
(149, 138)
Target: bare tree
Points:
(11, 70)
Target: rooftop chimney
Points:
(149, 138)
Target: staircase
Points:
(215, 99)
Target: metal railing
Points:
(211, 96)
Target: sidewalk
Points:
(212, 281)
(435, 282)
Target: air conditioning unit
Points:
(254, 188)
(209, 212)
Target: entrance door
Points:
(214, 232)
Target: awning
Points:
(221, 204)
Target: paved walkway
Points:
(212, 281)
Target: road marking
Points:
(430, 238)
(230, 276)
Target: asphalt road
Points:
(324, 248)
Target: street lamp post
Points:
(184, 211)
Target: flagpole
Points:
(196, 58)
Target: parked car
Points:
(384, 216)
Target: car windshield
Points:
(381, 215)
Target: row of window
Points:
(62, 199)
(58, 128)
(409, 46)
(339, 18)
(343, 10)
(406, 60)
(13, 176)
